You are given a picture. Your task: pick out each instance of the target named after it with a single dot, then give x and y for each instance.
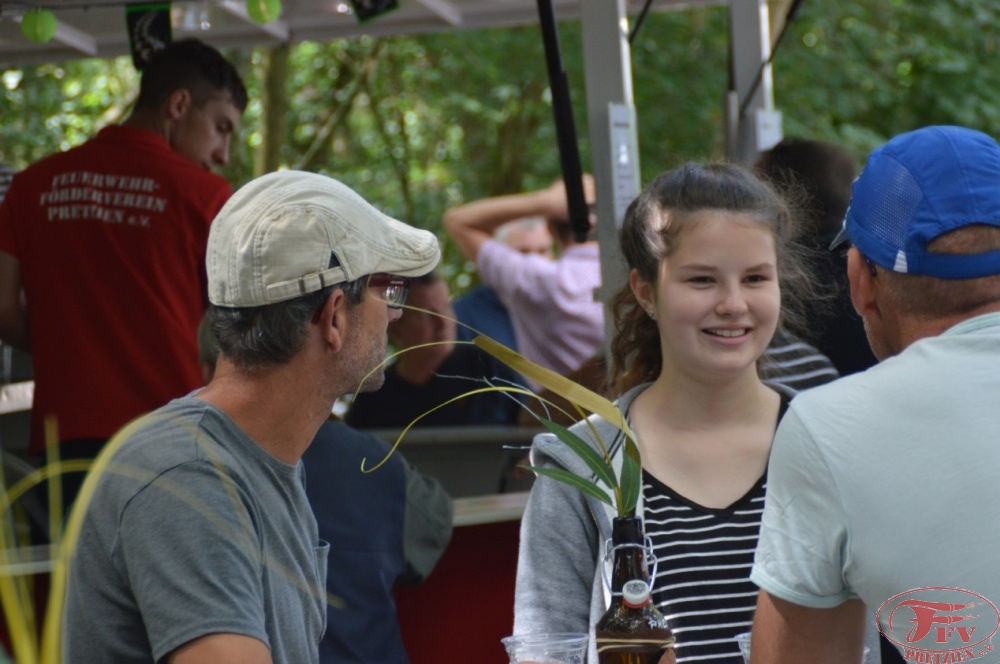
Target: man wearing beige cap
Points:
(199, 544)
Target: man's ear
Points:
(643, 290)
(334, 320)
(178, 103)
(862, 284)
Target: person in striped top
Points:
(709, 273)
(794, 363)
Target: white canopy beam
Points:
(448, 12)
(78, 40)
(277, 29)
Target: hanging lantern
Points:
(264, 11)
(39, 25)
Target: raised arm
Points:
(13, 311)
(474, 223)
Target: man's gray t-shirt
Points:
(195, 530)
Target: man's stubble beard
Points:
(366, 363)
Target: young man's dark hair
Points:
(194, 65)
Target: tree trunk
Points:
(274, 110)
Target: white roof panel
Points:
(96, 28)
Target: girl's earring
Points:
(651, 313)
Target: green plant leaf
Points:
(597, 463)
(399, 439)
(631, 480)
(564, 387)
(573, 480)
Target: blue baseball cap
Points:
(919, 186)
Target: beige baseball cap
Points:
(289, 233)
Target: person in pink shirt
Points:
(558, 323)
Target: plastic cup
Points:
(556, 648)
(744, 641)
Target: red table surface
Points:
(463, 609)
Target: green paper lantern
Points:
(39, 25)
(264, 11)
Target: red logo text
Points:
(939, 625)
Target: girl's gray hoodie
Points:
(563, 534)
(562, 537)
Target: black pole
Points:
(569, 152)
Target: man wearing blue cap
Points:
(882, 486)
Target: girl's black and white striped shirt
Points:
(704, 556)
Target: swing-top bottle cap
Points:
(635, 593)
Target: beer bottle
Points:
(632, 631)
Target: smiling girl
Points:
(706, 248)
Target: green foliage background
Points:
(417, 124)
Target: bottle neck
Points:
(630, 558)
